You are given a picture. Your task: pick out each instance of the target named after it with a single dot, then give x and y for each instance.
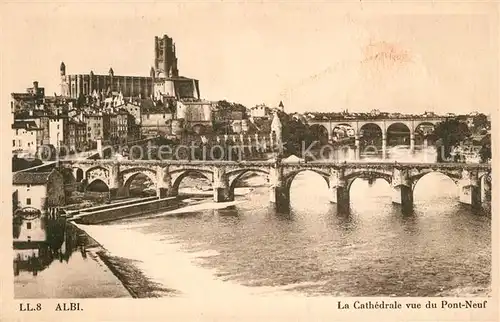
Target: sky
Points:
(313, 56)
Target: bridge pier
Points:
(412, 142)
(357, 147)
(384, 145)
(221, 189)
(403, 195)
(341, 197)
(339, 190)
(113, 193)
(115, 182)
(163, 183)
(280, 198)
(279, 191)
(222, 194)
(470, 195)
(469, 189)
(402, 190)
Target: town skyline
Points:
(329, 79)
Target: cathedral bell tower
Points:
(165, 63)
(64, 81)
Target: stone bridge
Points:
(411, 124)
(473, 180)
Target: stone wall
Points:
(121, 212)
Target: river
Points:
(244, 248)
(442, 249)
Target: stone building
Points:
(57, 131)
(122, 119)
(39, 190)
(30, 99)
(260, 111)
(24, 137)
(163, 79)
(74, 86)
(94, 123)
(155, 119)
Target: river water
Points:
(244, 247)
(442, 249)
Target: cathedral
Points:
(163, 80)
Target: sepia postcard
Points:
(249, 161)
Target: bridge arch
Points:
(398, 133)
(239, 174)
(418, 181)
(128, 173)
(343, 131)
(179, 175)
(97, 185)
(370, 175)
(424, 133)
(288, 179)
(97, 172)
(370, 135)
(130, 179)
(319, 132)
(426, 123)
(455, 177)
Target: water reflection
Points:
(42, 240)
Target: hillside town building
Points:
(39, 190)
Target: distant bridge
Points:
(384, 125)
(473, 180)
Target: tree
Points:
(479, 122)
(485, 153)
(294, 134)
(225, 109)
(450, 133)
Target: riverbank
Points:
(123, 269)
(136, 283)
(76, 263)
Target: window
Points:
(58, 126)
(17, 132)
(13, 142)
(28, 201)
(28, 225)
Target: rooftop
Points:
(28, 125)
(30, 177)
